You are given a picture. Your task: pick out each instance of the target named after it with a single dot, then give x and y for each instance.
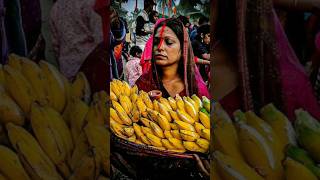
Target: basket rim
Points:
(123, 144)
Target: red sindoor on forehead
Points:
(161, 35)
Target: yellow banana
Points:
(156, 130)
(86, 167)
(197, 100)
(189, 108)
(267, 132)
(177, 143)
(192, 146)
(203, 143)
(10, 165)
(147, 101)
(163, 110)
(154, 140)
(146, 130)
(115, 88)
(295, 171)
(53, 135)
(126, 88)
(81, 148)
(135, 113)
(129, 131)
(176, 150)
(56, 92)
(230, 168)
(176, 134)
(33, 158)
(137, 130)
(172, 103)
(167, 144)
(10, 111)
(117, 128)
(258, 153)
(113, 96)
(205, 133)
(95, 115)
(189, 135)
(99, 139)
(133, 98)
(205, 120)
(145, 140)
(142, 107)
(153, 114)
(134, 90)
(114, 116)
(122, 113)
(198, 127)
(126, 103)
(165, 102)
(14, 61)
(18, 88)
(174, 116)
(174, 126)
(279, 123)
(156, 105)
(184, 125)
(77, 117)
(81, 88)
(225, 136)
(33, 74)
(132, 138)
(185, 117)
(163, 122)
(145, 121)
(168, 134)
(180, 103)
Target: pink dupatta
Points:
(296, 87)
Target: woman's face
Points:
(166, 47)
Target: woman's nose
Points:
(161, 45)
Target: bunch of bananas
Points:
(50, 128)
(173, 124)
(266, 147)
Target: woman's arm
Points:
(299, 5)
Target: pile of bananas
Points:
(175, 125)
(266, 147)
(50, 128)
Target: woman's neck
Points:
(170, 73)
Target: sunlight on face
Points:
(166, 47)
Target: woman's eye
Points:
(169, 42)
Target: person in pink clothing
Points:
(76, 31)
(133, 67)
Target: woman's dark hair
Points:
(134, 50)
(184, 20)
(225, 27)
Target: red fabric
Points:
(232, 101)
(101, 7)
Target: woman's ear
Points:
(201, 35)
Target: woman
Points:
(173, 70)
(254, 63)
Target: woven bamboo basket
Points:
(143, 162)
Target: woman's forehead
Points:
(165, 31)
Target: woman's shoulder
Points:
(146, 83)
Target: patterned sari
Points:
(192, 79)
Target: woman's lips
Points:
(160, 57)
